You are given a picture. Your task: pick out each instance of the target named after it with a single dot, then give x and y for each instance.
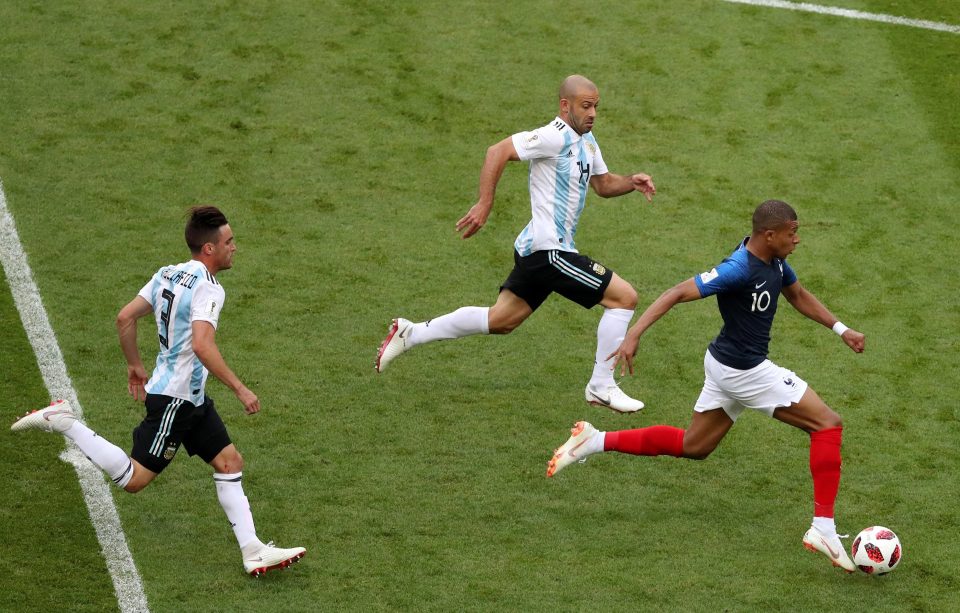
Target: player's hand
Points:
(249, 400)
(855, 340)
(475, 219)
(624, 354)
(644, 184)
(136, 380)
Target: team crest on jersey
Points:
(170, 451)
(592, 148)
(600, 269)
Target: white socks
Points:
(237, 508)
(594, 444)
(610, 332)
(825, 525)
(107, 456)
(465, 321)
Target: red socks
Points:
(654, 440)
(825, 469)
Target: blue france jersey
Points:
(180, 295)
(747, 290)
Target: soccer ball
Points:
(876, 550)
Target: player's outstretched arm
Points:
(610, 185)
(806, 303)
(493, 164)
(127, 330)
(684, 291)
(209, 354)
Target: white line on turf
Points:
(839, 12)
(96, 492)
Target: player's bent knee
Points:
(697, 451)
(504, 328)
(831, 420)
(135, 486)
(228, 462)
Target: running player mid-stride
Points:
(738, 374)
(186, 300)
(565, 161)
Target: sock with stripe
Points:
(107, 456)
(825, 469)
(610, 332)
(237, 508)
(465, 321)
(653, 440)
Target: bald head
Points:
(578, 103)
(574, 85)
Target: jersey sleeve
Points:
(149, 290)
(543, 142)
(207, 302)
(729, 275)
(789, 277)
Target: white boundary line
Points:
(839, 12)
(96, 492)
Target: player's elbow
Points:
(124, 322)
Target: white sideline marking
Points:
(839, 12)
(96, 492)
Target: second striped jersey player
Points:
(565, 161)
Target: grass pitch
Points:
(344, 140)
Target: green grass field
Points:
(344, 140)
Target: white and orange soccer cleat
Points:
(816, 541)
(572, 450)
(270, 557)
(394, 344)
(58, 417)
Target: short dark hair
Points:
(203, 226)
(772, 214)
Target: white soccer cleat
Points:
(58, 417)
(270, 558)
(571, 451)
(814, 540)
(612, 397)
(394, 344)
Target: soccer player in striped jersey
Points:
(738, 374)
(185, 299)
(565, 161)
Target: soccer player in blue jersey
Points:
(738, 374)
(185, 299)
(565, 161)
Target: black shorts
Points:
(573, 276)
(172, 421)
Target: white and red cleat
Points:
(58, 417)
(394, 344)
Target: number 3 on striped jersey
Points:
(164, 324)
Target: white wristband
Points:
(839, 328)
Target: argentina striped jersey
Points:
(180, 295)
(561, 164)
